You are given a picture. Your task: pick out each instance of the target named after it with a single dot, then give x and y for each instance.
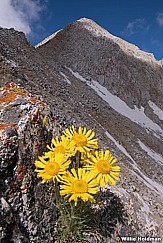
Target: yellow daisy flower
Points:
(80, 184)
(101, 164)
(60, 146)
(51, 166)
(81, 140)
(84, 157)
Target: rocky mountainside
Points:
(91, 78)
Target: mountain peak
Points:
(97, 31)
(92, 26)
(130, 48)
(87, 21)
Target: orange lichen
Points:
(8, 86)
(36, 117)
(21, 170)
(34, 100)
(10, 92)
(19, 176)
(42, 103)
(7, 98)
(7, 142)
(3, 126)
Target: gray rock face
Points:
(90, 78)
(23, 199)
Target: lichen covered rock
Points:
(26, 127)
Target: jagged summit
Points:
(99, 32)
(131, 49)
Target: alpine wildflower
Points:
(101, 165)
(80, 184)
(81, 140)
(60, 145)
(51, 166)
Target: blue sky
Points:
(139, 22)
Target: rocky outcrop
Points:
(28, 208)
(26, 127)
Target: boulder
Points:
(26, 127)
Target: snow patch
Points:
(136, 115)
(144, 207)
(153, 185)
(65, 78)
(124, 151)
(157, 157)
(156, 109)
(47, 39)
(12, 63)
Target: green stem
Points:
(57, 194)
(71, 218)
(72, 210)
(77, 159)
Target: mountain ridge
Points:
(81, 43)
(129, 48)
(90, 81)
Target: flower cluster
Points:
(93, 167)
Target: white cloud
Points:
(136, 26)
(19, 14)
(159, 19)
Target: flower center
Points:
(79, 186)
(60, 149)
(52, 168)
(79, 139)
(103, 166)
